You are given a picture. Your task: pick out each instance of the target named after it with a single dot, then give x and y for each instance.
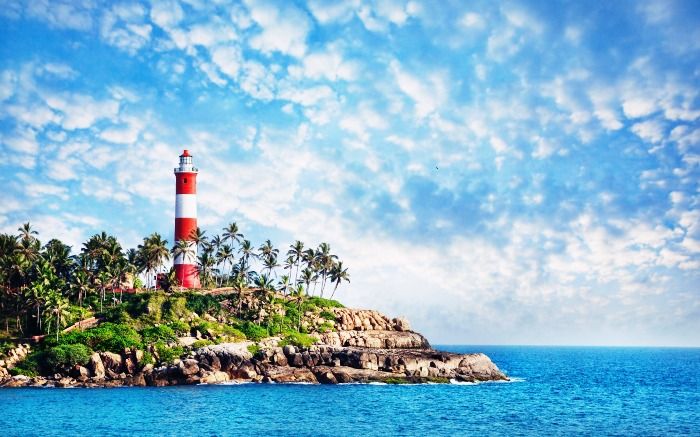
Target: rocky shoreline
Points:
(365, 347)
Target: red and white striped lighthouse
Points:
(186, 220)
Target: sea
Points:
(553, 391)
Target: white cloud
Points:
(82, 111)
(166, 13)
(23, 141)
(332, 12)
(651, 130)
(61, 14)
(428, 95)
(257, 81)
(124, 27)
(636, 107)
(472, 20)
(228, 59)
(283, 28)
(328, 65)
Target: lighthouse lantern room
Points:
(186, 221)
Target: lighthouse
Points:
(186, 221)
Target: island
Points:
(86, 320)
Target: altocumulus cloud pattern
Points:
(524, 172)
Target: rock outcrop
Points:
(366, 346)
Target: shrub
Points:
(110, 337)
(233, 332)
(298, 339)
(153, 334)
(180, 328)
(118, 314)
(67, 355)
(175, 308)
(147, 358)
(253, 331)
(5, 347)
(324, 303)
(202, 343)
(30, 366)
(327, 315)
(168, 354)
(202, 303)
(326, 327)
(253, 348)
(393, 380)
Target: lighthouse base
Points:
(187, 275)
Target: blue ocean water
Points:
(557, 390)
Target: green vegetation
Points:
(67, 355)
(106, 337)
(30, 366)
(253, 331)
(253, 348)
(167, 354)
(298, 339)
(396, 381)
(202, 343)
(153, 334)
(46, 288)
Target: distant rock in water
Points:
(366, 346)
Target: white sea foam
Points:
(511, 380)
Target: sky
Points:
(496, 172)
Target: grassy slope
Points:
(152, 322)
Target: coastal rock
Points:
(214, 377)
(348, 319)
(375, 339)
(112, 361)
(80, 373)
(65, 382)
(401, 324)
(189, 367)
(291, 374)
(96, 366)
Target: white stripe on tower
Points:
(186, 206)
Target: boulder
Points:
(215, 377)
(188, 367)
(65, 382)
(326, 377)
(246, 371)
(96, 366)
(112, 361)
(401, 324)
(80, 373)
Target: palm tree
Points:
(246, 251)
(270, 262)
(338, 274)
(296, 253)
(325, 261)
(57, 306)
(284, 284)
(307, 276)
(205, 265)
(265, 287)
(231, 233)
(198, 236)
(81, 284)
(223, 256)
(26, 232)
(183, 249)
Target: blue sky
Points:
(497, 172)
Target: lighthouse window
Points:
(185, 180)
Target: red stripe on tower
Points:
(186, 220)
